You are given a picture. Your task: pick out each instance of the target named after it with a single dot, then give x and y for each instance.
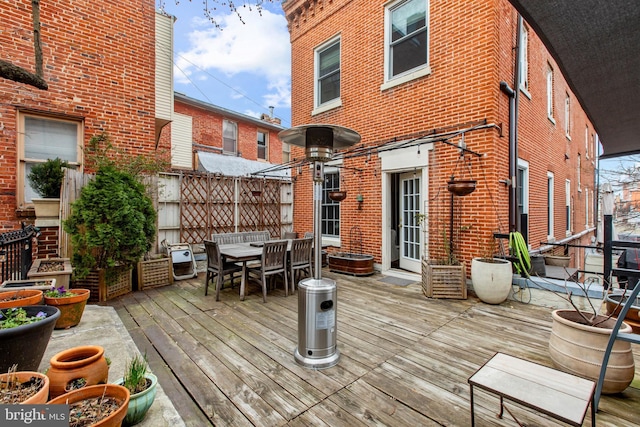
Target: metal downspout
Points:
(513, 95)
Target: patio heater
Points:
(317, 297)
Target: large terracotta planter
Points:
(492, 279)
(139, 403)
(40, 397)
(579, 349)
(633, 315)
(20, 297)
(108, 390)
(71, 308)
(86, 362)
(25, 345)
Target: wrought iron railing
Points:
(15, 253)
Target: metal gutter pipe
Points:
(513, 132)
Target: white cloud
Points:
(260, 47)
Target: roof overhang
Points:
(238, 166)
(597, 47)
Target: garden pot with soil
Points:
(97, 406)
(71, 304)
(77, 367)
(20, 297)
(24, 387)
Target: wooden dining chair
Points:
(217, 267)
(272, 262)
(300, 259)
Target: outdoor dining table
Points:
(243, 252)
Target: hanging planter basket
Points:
(461, 187)
(337, 196)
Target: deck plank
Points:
(405, 359)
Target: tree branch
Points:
(18, 74)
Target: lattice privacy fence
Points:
(193, 205)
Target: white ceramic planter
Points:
(491, 280)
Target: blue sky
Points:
(241, 67)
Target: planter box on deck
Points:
(154, 273)
(444, 281)
(106, 284)
(62, 276)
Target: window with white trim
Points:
(586, 208)
(522, 192)
(263, 145)
(567, 205)
(229, 137)
(327, 72)
(286, 153)
(567, 116)
(330, 222)
(550, 207)
(586, 141)
(578, 172)
(41, 138)
(524, 59)
(406, 37)
(550, 93)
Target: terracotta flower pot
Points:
(139, 403)
(578, 349)
(25, 345)
(87, 362)
(71, 308)
(117, 392)
(19, 298)
(41, 396)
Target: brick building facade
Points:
(99, 63)
(418, 79)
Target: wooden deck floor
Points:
(405, 359)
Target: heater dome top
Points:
(342, 137)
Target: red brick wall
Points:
(471, 51)
(99, 62)
(47, 243)
(207, 130)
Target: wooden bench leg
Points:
(473, 421)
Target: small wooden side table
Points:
(557, 394)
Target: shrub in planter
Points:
(113, 223)
(46, 178)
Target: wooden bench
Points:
(241, 237)
(557, 394)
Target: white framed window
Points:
(586, 141)
(41, 138)
(550, 93)
(579, 172)
(330, 223)
(263, 145)
(586, 208)
(524, 60)
(550, 207)
(567, 205)
(286, 153)
(406, 41)
(567, 116)
(327, 75)
(229, 137)
(522, 191)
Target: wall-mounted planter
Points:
(461, 187)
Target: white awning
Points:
(238, 166)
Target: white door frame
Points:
(409, 159)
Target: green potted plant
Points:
(70, 302)
(24, 335)
(46, 179)
(112, 225)
(142, 386)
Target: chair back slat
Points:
(274, 255)
(214, 257)
(301, 251)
